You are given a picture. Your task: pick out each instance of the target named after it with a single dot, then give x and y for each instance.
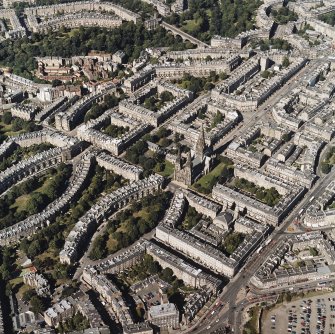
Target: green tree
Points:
(325, 168)
(286, 137)
(313, 251)
(99, 248)
(166, 96)
(217, 119)
(37, 304)
(286, 62)
(61, 271)
(36, 248)
(36, 203)
(7, 117)
(265, 74)
(27, 295)
(232, 241)
(284, 15)
(56, 83)
(167, 275)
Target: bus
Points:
(259, 249)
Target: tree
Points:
(265, 74)
(288, 297)
(163, 132)
(136, 151)
(36, 248)
(56, 83)
(61, 271)
(28, 295)
(99, 248)
(232, 241)
(192, 218)
(286, 137)
(328, 18)
(150, 103)
(223, 76)
(286, 62)
(166, 96)
(17, 124)
(7, 117)
(159, 167)
(130, 37)
(167, 275)
(325, 168)
(76, 323)
(165, 142)
(208, 86)
(48, 262)
(110, 100)
(154, 267)
(284, 15)
(143, 226)
(37, 304)
(217, 119)
(36, 203)
(4, 272)
(177, 138)
(313, 251)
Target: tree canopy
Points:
(206, 18)
(129, 37)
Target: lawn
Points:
(191, 25)
(6, 129)
(16, 281)
(216, 172)
(20, 203)
(206, 182)
(45, 185)
(142, 214)
(23, 288)
(111, 243)
(46, 254)
(18, 286)
(72, 33)
(168, 169)
(252, 325)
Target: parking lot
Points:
(314, 315)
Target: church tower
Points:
(183, 172)
(200, 145)
(188, 169)
(177, 165)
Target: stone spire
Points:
(177, 165)
(178, 160)
(188, 170)
(189, 159)
(200, 145)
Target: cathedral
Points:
(188, 172)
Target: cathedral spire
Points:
(189, 159)
(178, 160)
(200, 145)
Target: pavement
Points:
(264, 111)
(238, 283)
(310, 314)
(231, 298)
